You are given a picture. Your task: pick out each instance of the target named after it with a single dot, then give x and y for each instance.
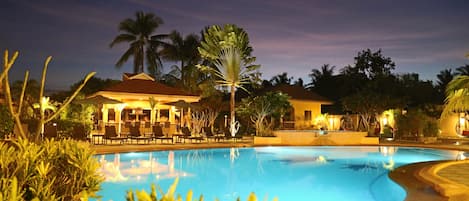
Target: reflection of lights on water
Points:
(389, 166)
(385, 151)
(138, 169)
(234, 154)
(321, 159)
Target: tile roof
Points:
(298, 93)
(146, 87)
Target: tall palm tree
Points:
(229, 50)
(139, 33)
(231, 73)
(457, 95)
(326, 72)
(281, 79)
(183, 50)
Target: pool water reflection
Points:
(289, 173)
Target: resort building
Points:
(306, 107)
(139, 98)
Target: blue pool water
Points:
(288, 173)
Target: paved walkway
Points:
(458, 173)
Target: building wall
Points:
(299, 108)
(451, 124)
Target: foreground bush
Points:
(169, 196)
(53, 170)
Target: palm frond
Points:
(457, 95)
(123, 38)
(127, 54)
(128, 26)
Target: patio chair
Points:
(187, 135)
(50, 131)
(210, 135)
(111, 135)
(158, 134)
(79, 133)
(147, 129)
(135, 134)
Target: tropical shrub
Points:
(52, 170)
(261, 109)
(6, 122)
(416, 123)
(169, 195)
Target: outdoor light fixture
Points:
(331, 123)
(385, 120)
(462, 121)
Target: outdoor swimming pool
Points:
(288, 173)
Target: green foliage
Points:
(368, 105)
(416, 123)
(229, 50)
(259, 108)
(170, 195)
(139, 33)
(53, 170)
(6, 122)
(372, 64)
(216, 38)
(44, 106)
(457, 95)
(431, 128)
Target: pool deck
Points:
(429, 181)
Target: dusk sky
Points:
(422, 36)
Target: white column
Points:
(171, 114)
(158, 114)
(105, 114)
(181, 117)
(119, 109)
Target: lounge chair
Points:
(111, 135)
(79, 133)
(158, 134)
(50, 131)
(187, 135)
(210, 135)
(135, 134)
(147, 129)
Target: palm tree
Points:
(183, 50)
(457, 95)
(139, 32)
(281, 79)
(463, 70)
(231, 73)
(443, 78)
(229, 50)
(325, 73)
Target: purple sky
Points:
(422, 36)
